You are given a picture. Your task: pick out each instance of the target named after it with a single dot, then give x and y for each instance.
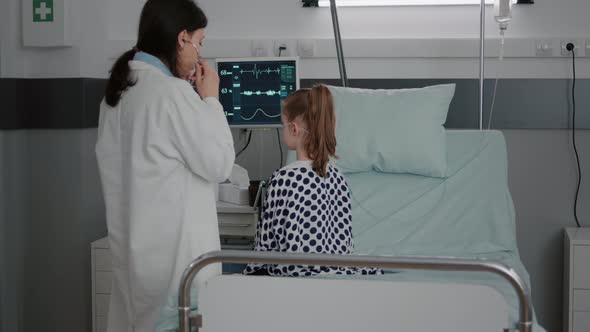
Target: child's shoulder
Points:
(334, 171)
(302, 169)
(293, 170)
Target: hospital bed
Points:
(447, 246)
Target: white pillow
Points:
(394, 131)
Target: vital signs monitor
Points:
(251, 90)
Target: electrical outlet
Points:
(243, 135)
(544, 47)
(260, 48)
(564, 51)
(306, 48)
(281, 48)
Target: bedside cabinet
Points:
(236, 221)
(577, 280)
(101, 263)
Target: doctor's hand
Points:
(206, 80)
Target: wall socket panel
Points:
(271, 48)
(582, 47)
(563, 45)
(306, 48)
(544, 48)
(289, 45)
(557, 47)
(552, 47)
(261, 48)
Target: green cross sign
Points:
(42, 10)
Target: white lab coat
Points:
(160, 153)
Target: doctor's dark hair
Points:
(315, 108)
(159, 25)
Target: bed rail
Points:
(409, 263)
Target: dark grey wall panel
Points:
(520, 103)
(463, 109)
(93, 93)
(12, 115)
(55, 103)
(538, 104)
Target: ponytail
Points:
(315, 107)
(322, 142)
(119, 80)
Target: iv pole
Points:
(339, 51)
(482, 29)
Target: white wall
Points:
(89, 22)
(104, 28)
(286, 19)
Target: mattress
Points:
(469, 214)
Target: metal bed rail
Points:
(410, 263)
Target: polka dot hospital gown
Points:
(305, 213)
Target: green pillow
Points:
(393, 131)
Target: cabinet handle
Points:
(228, 224)
(237, 246)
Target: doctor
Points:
(162, 147)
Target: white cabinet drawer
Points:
(581, 321)
(582, 300)
(103, 282)
(102, 304)
(103, 259)
(237, 224)
(101, 323)
(582, 267)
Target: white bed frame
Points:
(254, 303)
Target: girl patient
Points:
(307, 209)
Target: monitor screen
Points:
(252, 90)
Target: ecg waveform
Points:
(256, 72)
(261, 111)
(258, 93)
